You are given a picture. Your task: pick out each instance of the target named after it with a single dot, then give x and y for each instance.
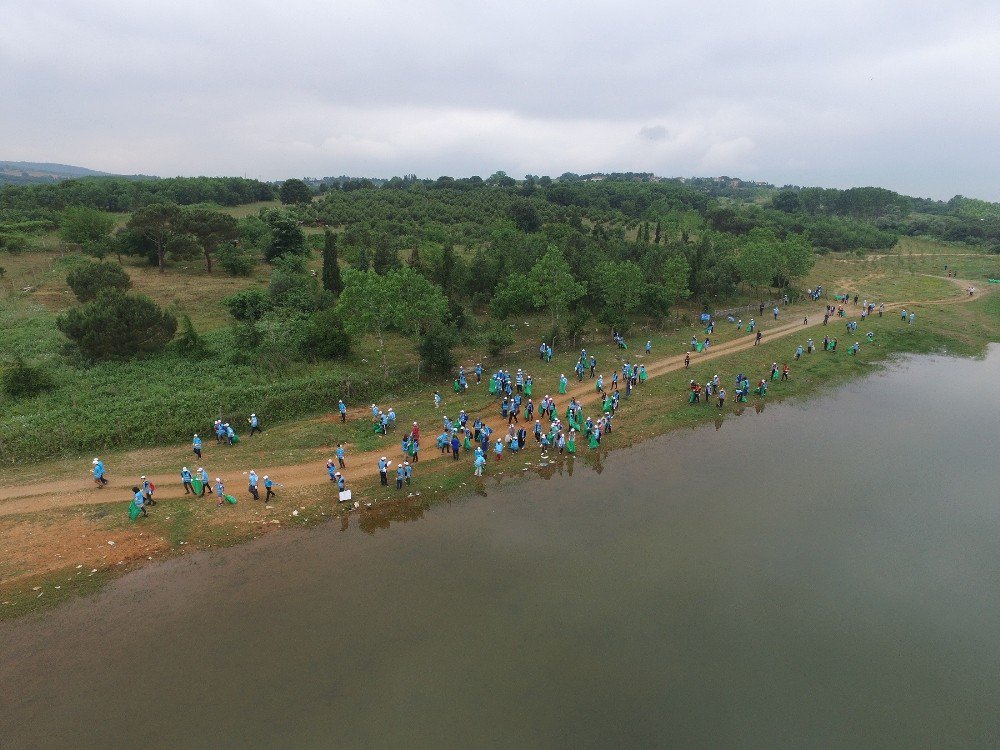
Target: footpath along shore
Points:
(45, 496)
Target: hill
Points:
(33, 173)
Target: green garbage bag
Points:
(624, 345)
(236, 439)
(230, 499)
(699, 346)
(562, 388)
(376, 428)
(642, 376)
(749, 328)
(691, 397)
(197, 485)
(467, 444)
(593, 440)
(527, 389)
(457, 386)
(775, 375)
(571, 446)
(134, 511)
(493, 385)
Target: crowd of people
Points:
(519, 421)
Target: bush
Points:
(498, 338)
(118, 325)
(24, 381)
(248, 306)
(435, 348)
(236, 260)
(89, 280)
(189, 342)
(325, 337)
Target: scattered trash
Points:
(295, 512)
(111, 543)
(79, 566)
(37, 588)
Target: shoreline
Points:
(437, 483)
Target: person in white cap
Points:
(99, 477)
(220, 490)
(196, 445)
(252, 485)
(186, 478)
(268, 484)
(383, 471)
(254, 425)
(148, 489)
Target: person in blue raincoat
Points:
(99, 477)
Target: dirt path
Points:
(44, 496)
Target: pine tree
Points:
(331, 268)
(659, 232)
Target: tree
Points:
(525, 216)
(332, 280)
(367, 304)
(286, 238)
(87, 281)
(386, 256)
(156, 222)
(118, 325)
(294, 191)
(759, 260)
(553, 286)
(621, 286)
(210, 229)
(85, 226)
(421, 303)
(436, 348)
(787, 201)
(797, 257)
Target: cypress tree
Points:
(331, 268)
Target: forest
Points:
(304, 288)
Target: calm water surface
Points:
(823, 574)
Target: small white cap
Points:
(218, 479)
(96, 461)
(185, 468)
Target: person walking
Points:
(99, 479)
(400, 475)
(342, 408)
(268, 484)
(252, 484)
(722, 397)
(138, 500)
(196, 445)
(756, 341)
(186, 478)
(340, 456)
(383, 471)
(205, 483)
(148, 489)
(254, 425)
(220, 490)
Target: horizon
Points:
(829, 94)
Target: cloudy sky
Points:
(898, 93)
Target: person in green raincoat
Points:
(571, 442)
(594, 442)
(562, 384)
(642, 374)
(527, 386)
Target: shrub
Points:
(236, 260)
(325, 336)
(498, 338)
(24, 381)
(189, 342)
(89, 280)
(248, 306)
(117, 325)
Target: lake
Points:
(821, 574)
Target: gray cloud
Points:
(833, 93)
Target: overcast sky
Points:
(897, 93)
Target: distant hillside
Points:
(34, 173)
